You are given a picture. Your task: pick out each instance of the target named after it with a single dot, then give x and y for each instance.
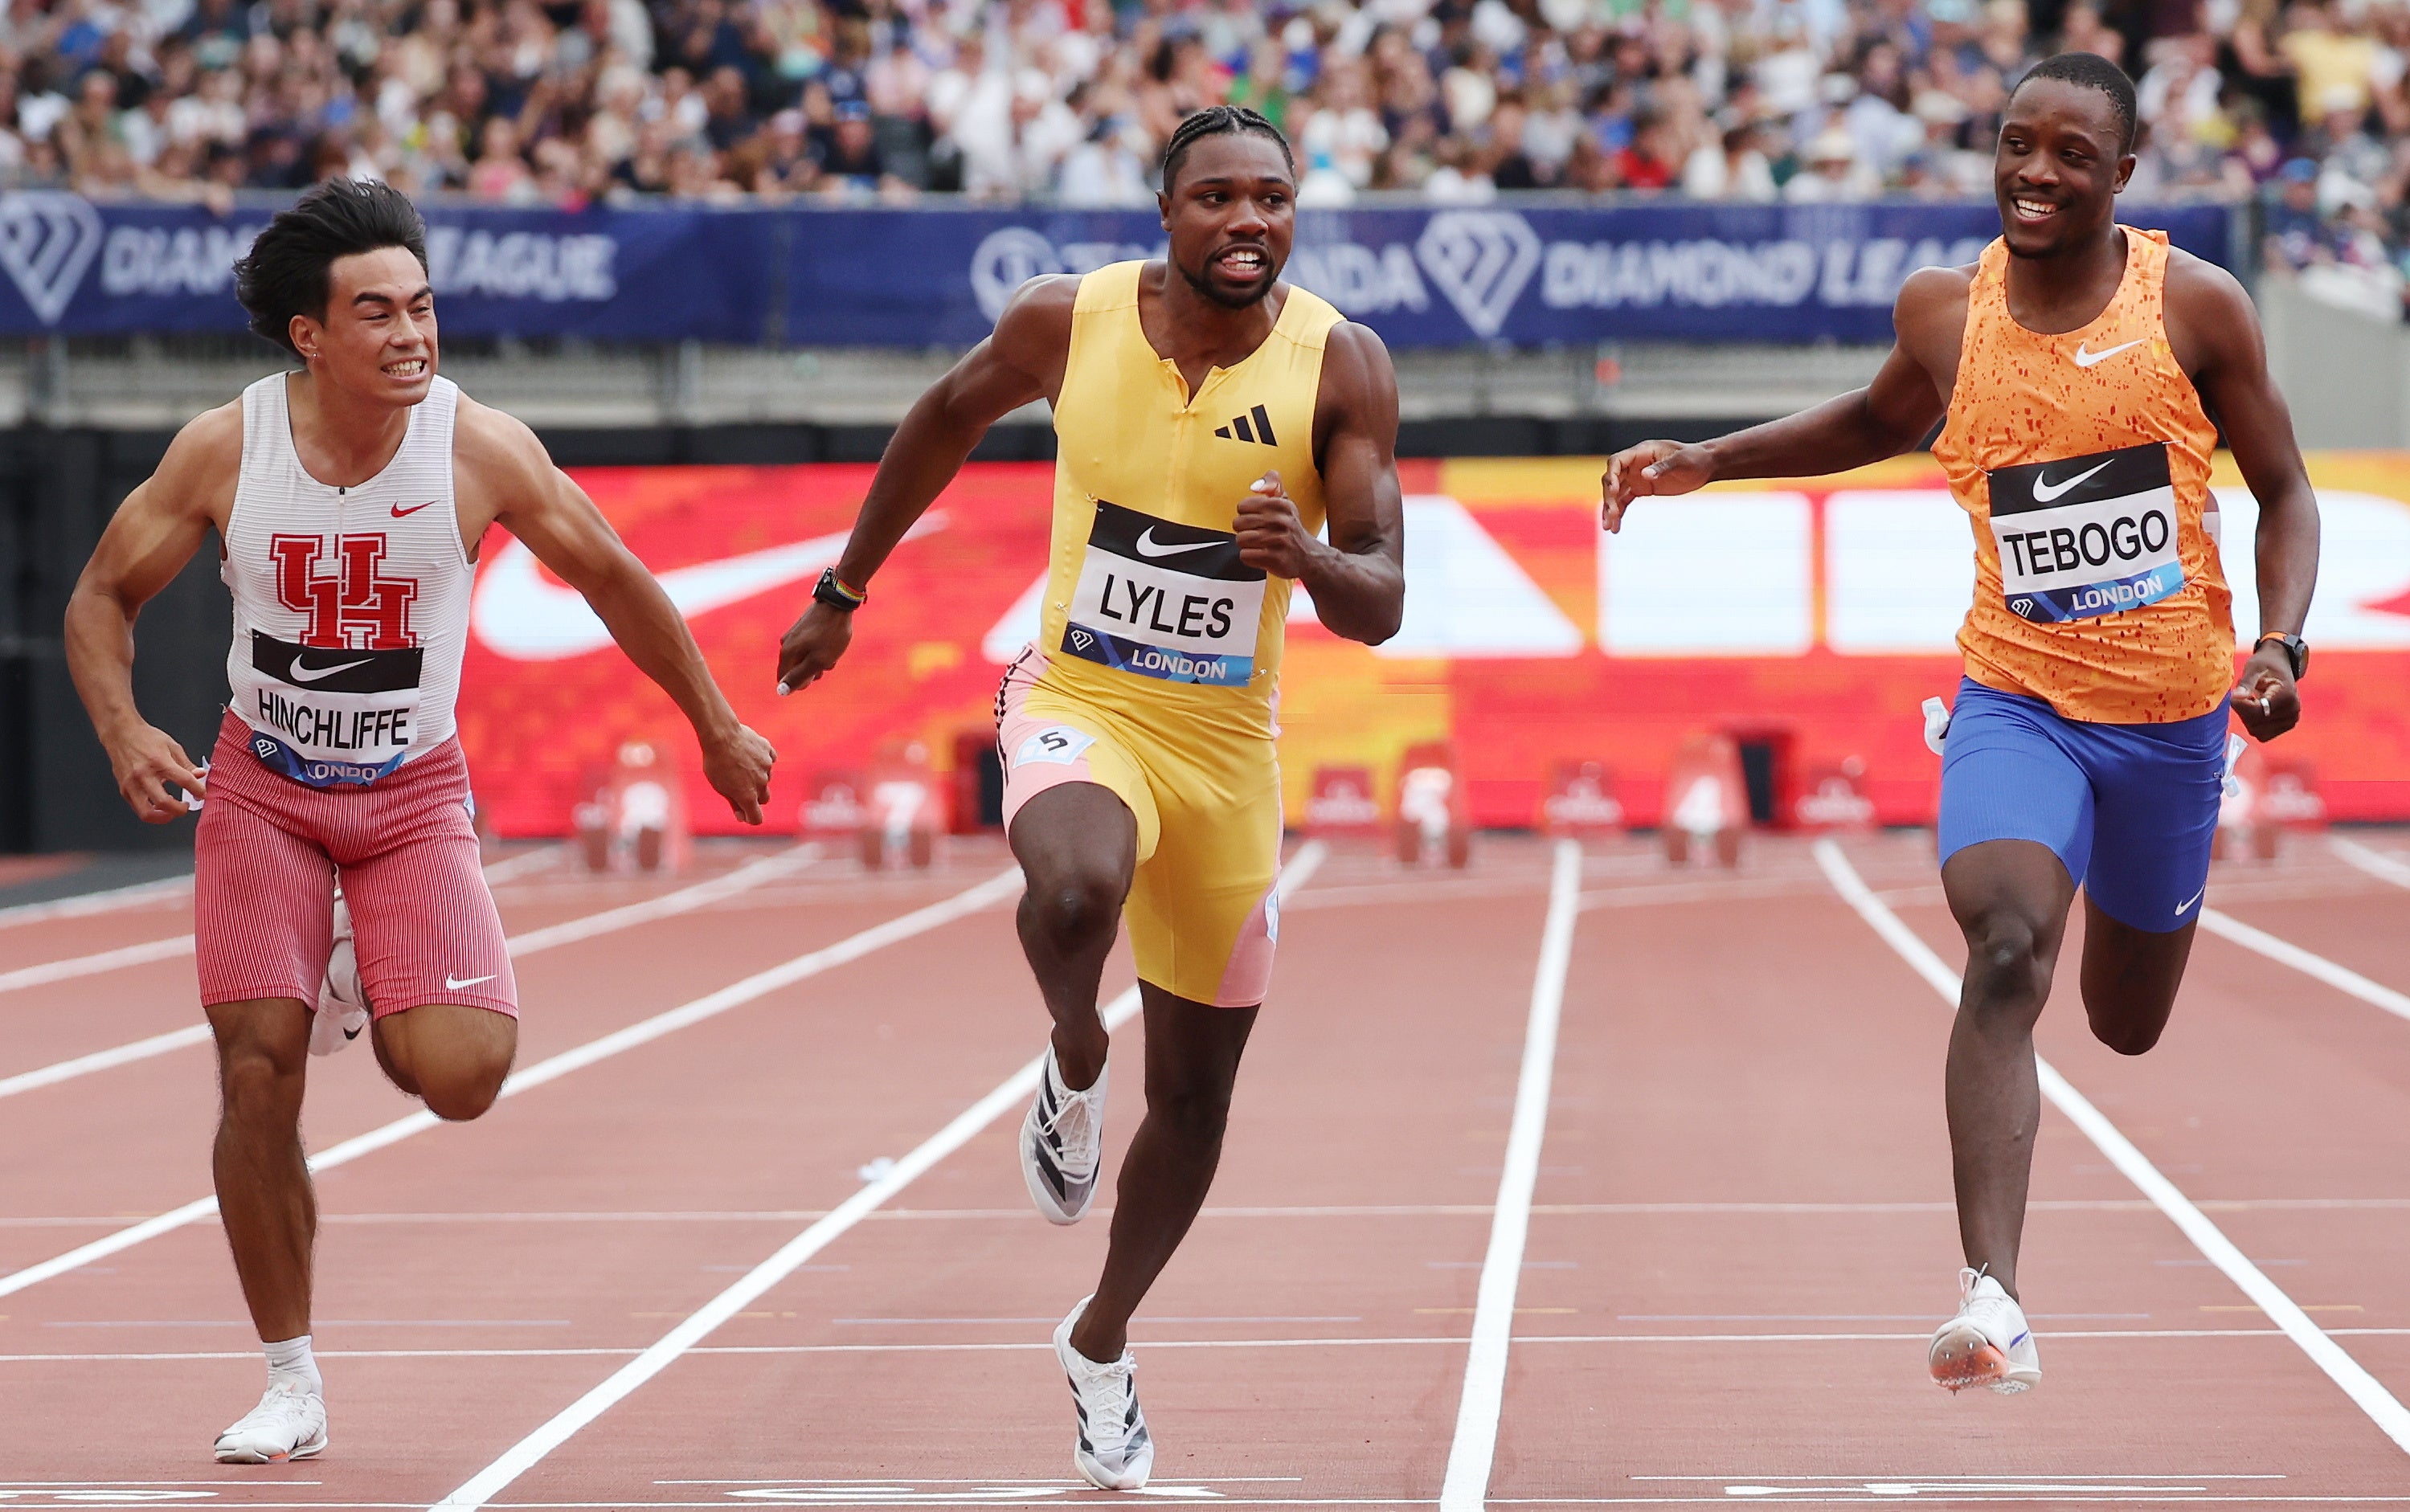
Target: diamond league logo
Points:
(47, 243)
(1481, 260)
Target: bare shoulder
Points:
(1357, 373)
(1359, 346)
(203, 463)
(1037, 318)
(494, 447)
(2199, 290)
(1933, 296)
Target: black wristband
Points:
(833, 592)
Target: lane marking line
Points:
(644, 1031)
(2374, 862)
(1451, 1341)
(685, 900)
(134, 894)
(2283, 952)
(1469, 1458)
(2364, 1389)
(1008, 1096)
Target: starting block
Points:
(1835, 799)
(637, 816)
(1581, 803)
(1707, 800)
(1434, 818)
(2264, 798)
(1339, 804)
(906, 809)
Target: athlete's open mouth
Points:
(406, 367)
(2033, 211)
(1243, 263)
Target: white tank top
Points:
(350, 605)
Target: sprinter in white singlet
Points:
(350, 499)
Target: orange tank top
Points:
(2082, 460)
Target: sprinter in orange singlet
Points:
(2076, 369)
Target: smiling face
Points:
(2061, 162)
(378, 338)
(1230, 212)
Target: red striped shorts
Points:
(268, 852)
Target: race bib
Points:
(1165, 600)
(328, 716)
(2087, 536)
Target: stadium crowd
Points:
(2301, 103)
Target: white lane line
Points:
(2342, 978)
(1009, 1095)
(2374, 862)
(685, 900)
(543, 858)
(1467, 1486)
(644, 1031)
(95, 963)
(2364, 1389)
(134, 894)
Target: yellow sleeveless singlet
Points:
(1146, 598)
(2084, 461)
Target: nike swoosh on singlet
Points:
(2086, 359)
(315, 674)
(1148, 546)
(516, 614)
(399, 513)
(2045, 491)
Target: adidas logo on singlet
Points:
(1237, 430)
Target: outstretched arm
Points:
(1022, 362)
(153, 535)
(2228, 365)
(541, 505)
(1884, 419)
(1358, 579)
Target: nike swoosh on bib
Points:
(518, 614)
(1148, 546)
(2044, 491)
(300, 673)
(2086, 359)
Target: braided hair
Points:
(1218, 121)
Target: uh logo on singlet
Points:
(1165, 600)
(2086, 536)
(344, 695)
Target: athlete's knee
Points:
(2008, 963)
(1193, 1112)
(2127, 1036)
(1074, 912)
(261, 1068)
(461, 1091)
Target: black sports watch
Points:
(2296, 649)
(832, 591)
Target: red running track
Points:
(1740, 1235)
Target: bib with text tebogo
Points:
(331, 717)
(1165, 600)
(2087, 536)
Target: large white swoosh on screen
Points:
(517, 614)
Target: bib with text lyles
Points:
(2081, 537)
(1165, 600)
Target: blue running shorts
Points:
(2130, 810)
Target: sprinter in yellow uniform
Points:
(1209, 420)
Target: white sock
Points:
(290, 1359)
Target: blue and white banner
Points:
(913, 278)
(79, 269)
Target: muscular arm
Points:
(1358, 579)
(1021, 361)
(2216, 333)
(541, 505)
(1885, 418)
(154, 534)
